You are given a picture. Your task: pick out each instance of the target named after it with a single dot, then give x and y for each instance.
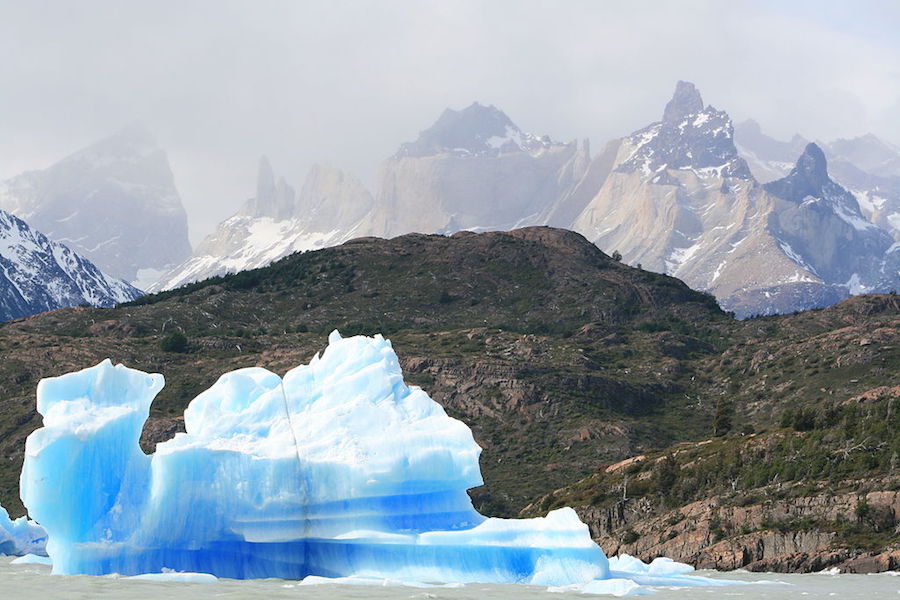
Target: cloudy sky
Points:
(345, 82)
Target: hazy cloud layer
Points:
(221, 83)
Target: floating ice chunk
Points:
(339, 470)
(614, 587)
(660, 572)
(176, 576)
(604, 587)
(32, 559)
(21, 537)
(625, 563)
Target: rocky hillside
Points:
(114, 203)
(523, 335)
(562, 360)
(38, 274)
(804, 473)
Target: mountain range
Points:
(866, 166)
(38, 274)
(473, 169)
(766, 226)
(678, 196)
(681, 199)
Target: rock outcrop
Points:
(789, 535)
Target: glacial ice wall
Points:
(339, 470)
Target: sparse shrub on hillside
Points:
(722, 418)
(174, 342)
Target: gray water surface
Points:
(34, 582)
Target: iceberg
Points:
(21, 537)
(337, 470)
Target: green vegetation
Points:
(174, 342)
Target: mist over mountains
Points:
(678, 196)
(114, 202)
(765, 225)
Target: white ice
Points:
(32, 559)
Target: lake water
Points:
(27, 582)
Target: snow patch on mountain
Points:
(38, 274)
(331, 208)
(474, 131)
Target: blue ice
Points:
(21, 537)
(337, 470)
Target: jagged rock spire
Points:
(807, 178)
(265, 180)
(685, 101)
(812, 164)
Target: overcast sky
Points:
(345, 82)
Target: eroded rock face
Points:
(711, 535)
(475, 169)
(446, 193)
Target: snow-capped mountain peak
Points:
(689, 136)
(477, 130)
(823, 225)
(808, 182)
(38, 274)
(808, 177)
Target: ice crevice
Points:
(337, 470)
